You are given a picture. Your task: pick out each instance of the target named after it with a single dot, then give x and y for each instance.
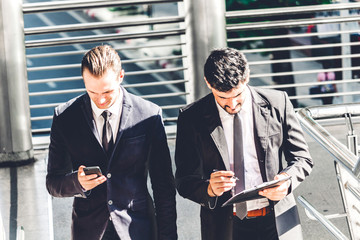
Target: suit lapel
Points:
(86, 107)
(261, 125)
(213, 122)
(124, 118)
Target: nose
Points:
(102, 99)
(233, 103)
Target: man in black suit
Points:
(123, 135)
(234, 139)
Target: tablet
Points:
(252, 193)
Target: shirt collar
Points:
(246, 107)
(115, 109)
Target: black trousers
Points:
(259, 228)
(110, 232)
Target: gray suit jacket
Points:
(201, 147)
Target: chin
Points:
(233, 112)
(103, 106)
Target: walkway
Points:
(24, 200)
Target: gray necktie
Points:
(239, 171)
(107, 135)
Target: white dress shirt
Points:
(114, 119)
(251, 164)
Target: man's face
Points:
(103, 90)
(232, 100)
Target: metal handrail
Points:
(251, 63)
(337, 94)
(354, 191)
(102, 25)
(61, 79)
(308, 84)
(133, 85)
(41, 130)
(2, 229)
(290, 35)
(67, 91)
(83, 90)
(20, 233)
(175, 69)
(46, 105)
(304, 47)
(137, 85)
(280, 86)
(164, 95)
(44, 93)
(304, 59)
(289, 23)
(301, 72)
(184, 68)
(104, 38)
(133, 73)
(48, 117)
(342, 154)
(151, 84)
(323, 220)
(78, 65)
(291, 10)
(66, 53)
(82, 4)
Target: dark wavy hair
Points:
(225, 68)
(99, 59)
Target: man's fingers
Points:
(222, 174)
(222, 181)
(223, 185)
(92, 183)
(275, 193)
(100, 179)
(91, 176)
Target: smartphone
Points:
(93, 170)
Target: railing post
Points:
(205, 30)
(15, 130)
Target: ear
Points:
(121, 75)
(247, 77)
(247, 80)
(207, 83)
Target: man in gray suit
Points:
(234, 139)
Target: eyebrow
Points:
(111, 90)
(232, 97)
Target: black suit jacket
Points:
(201, 147)
(140, 148)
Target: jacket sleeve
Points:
(295, 148)
(191, 182)
(162, 181)
(61, 180)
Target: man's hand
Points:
(220, 182)
(279, 192)
(89, 182)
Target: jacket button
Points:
(108, 175)
(110, 202)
